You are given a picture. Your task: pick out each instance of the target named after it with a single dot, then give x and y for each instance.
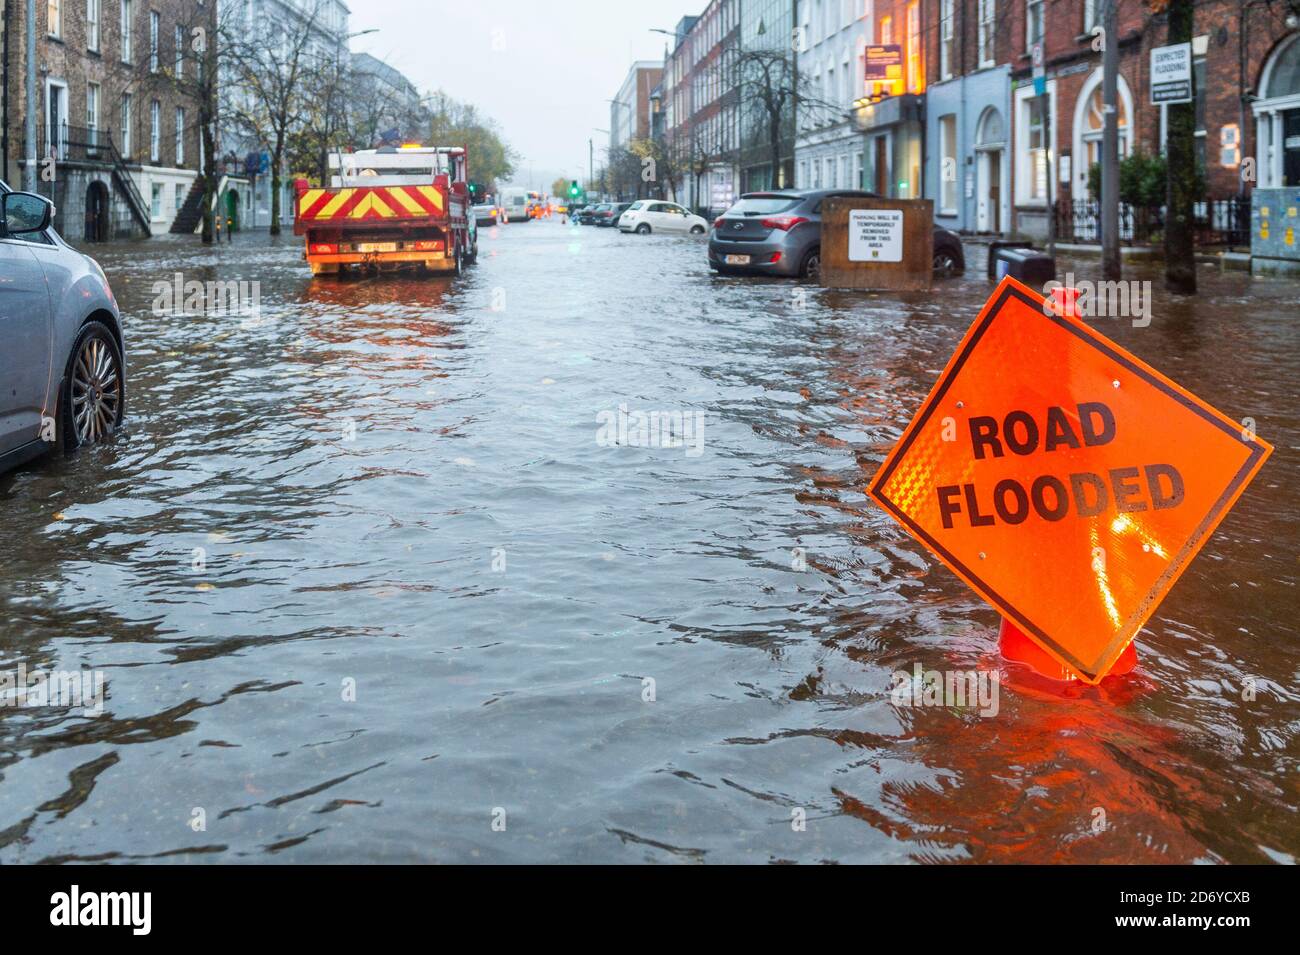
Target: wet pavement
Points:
(366, 583)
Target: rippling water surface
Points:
(396, 486)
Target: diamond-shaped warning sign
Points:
(1065, 480)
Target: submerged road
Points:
(570, 559)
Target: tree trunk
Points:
(275, 187)
(1180, 170)
(209, 174)
(208, 135)
(775, 133)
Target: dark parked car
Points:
(587, 215)
(61, 355)
(608, 215)
(780, 233)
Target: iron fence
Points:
(1215, 222)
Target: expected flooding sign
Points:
(1171, 74)
(1065, 480)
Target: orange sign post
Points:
(1065, 480)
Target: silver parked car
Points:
(780, 233)
(62, 371)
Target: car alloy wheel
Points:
(944, 262)
(643, 229)
(94, 390)
(812, 265)
(697, 230)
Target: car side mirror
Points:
(22, 212)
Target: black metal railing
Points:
(1215, 222)
(88, 144)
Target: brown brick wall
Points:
(68, 58)
(1070, 57)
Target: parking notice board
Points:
(1065, 480)
(875, 235)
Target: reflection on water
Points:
(361, 580)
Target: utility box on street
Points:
(1022, 262)
(1275, 230)
(873, 243)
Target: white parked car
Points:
(651, 215)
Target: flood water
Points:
(365, 584)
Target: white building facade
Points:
(833, 35)
(246, 192)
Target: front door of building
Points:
(881, 185)
(1291, 147)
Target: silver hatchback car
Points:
(780, 233)
(62, 367)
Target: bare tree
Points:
(271, 66)
(766, 81)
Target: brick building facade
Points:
(117, 112)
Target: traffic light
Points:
(573, 189)
(473, 188)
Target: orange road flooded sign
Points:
(1065, 480)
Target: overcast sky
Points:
(542, 69)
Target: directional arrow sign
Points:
(1065, 480)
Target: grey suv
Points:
(62, 372)
(780, 233)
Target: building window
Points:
(92, 25)
(803, 175)
(1094, 125)
(124, 124)
(155, 131)
(1033, 23)
(858, 182)
(1091, 15)
(180, 196)
(1037, 148)
(54, 17)
(154, 20)
(1198, 84)
(180, 51)
(988, 13)
(948, 165)
(180, 136)
(945, 38)
(830, 174)
(886, 30)
(126, 31)
(155, 201)
(92, 113)
(914, 81)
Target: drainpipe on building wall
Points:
(29, 122)
(1110, 262)
(1243, 97)
(4, 92)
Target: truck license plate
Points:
(737, 259)
(377, 247)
